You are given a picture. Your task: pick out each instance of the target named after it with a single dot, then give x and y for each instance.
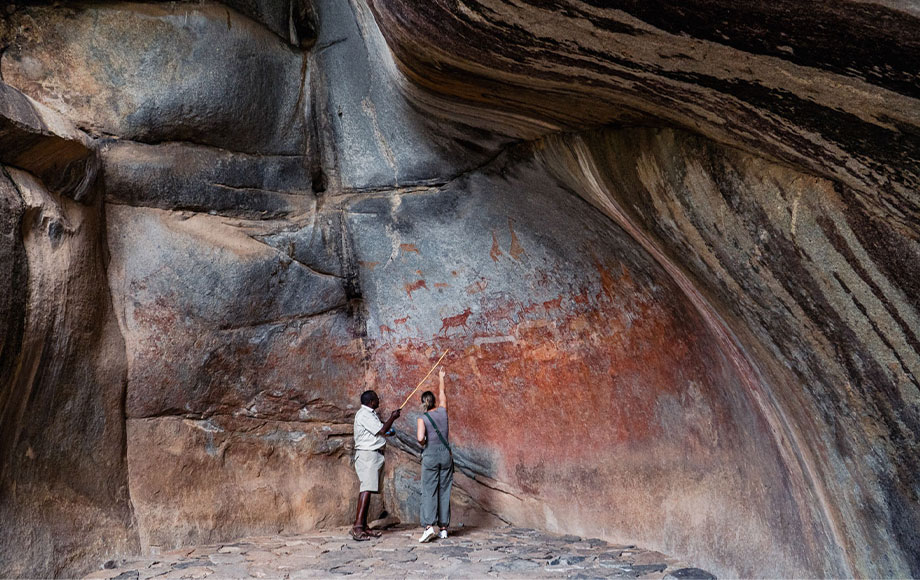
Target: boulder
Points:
(200, 73)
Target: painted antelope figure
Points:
(455, 321)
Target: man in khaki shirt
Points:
(369, 443)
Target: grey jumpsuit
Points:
(437, 472)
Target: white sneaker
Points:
(428, 535)
(443, 535)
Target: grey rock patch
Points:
(226, 558)
(690, 574)
(569, 560)
(515, 565)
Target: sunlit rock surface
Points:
(671, 248)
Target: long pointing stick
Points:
(425, 379)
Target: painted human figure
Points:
(437, 463)
(369, 444)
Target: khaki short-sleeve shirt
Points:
(367, 425)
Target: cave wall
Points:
(226, 220)
(232, 281)
(831, 89)
(61, 357)
(787, 267)
(582, 379)
(799, 255)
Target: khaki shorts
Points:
(368, 465)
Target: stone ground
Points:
(468, 553)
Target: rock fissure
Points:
(288, 319)
(257, 189)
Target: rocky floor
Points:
(468, 553)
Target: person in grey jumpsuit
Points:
(437, 463)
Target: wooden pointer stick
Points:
(425, 379)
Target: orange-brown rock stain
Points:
(553, 304)
(570, 380)
(607, 282)
(477, 287)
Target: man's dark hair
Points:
(367, 397)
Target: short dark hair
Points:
(367, 397)
(428, 400)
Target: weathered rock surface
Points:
(150, 73)
(800, 278)
(374, 138)
(698, 335)
(797, 271)
(254, 474)
(179, 176)
(62, 476)
(833, 89)
(217, 322)
(556, 319)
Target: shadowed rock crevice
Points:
(40, 141)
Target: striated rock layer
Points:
(807, 283)
(831, 89)
(683, 313)
(783, 265)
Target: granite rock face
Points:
(830, 89)
(63, 478)
(671, 247)
(150, 73)
(577, 365)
